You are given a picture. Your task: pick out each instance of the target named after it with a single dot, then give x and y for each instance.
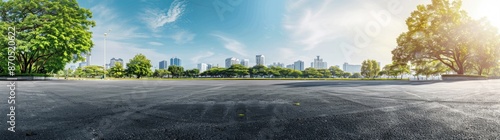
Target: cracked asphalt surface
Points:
(248, 109)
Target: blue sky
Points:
(209, 31)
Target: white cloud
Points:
(196, 59)
(156, 18)
(233, 45)
(155, 43)
(183, 37)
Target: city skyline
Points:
(283, 31)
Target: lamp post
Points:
(105, 35)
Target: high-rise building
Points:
(174, 61)
(163, 65)
(113, 61)
(290, 66)
(88, 58)
(260, 60)
(278, 64)
(319, 64)
(298, 65)
(351, 68)
(245, 62)
(202, 67)
(231, 61)
(209, 66)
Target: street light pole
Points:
(105, 35)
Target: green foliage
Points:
(296, 73)
(176, 71)
(430, 68)
(346, 75)
(259, 70)
(192, 73)
(161, 73)
(48, 33)
(237, 70)
(139, 66)
(285, 72)
(93, 70)
(442, 32)
(336, 71)
(311, 73)
(355, 75)
(117, 71)
(370, 68)
(325, 73)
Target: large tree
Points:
(139, 66)
(443, 32)
(117, 70)
(176, 71)
(237, 70)
(370, 68)
(48, 33)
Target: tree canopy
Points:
(139, 66)
(370, 68)
(176, 71)
(443, 32)
(117, 70)
(48, 33)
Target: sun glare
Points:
(491, 10)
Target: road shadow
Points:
(357, 83)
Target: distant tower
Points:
(260, 59)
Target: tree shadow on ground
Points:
(358, 83)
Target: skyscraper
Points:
(351, 68)
(202, 67)
(290, 66)
(175, 61)
(278, 64)
(319, 64)
(231, 61)
(245, 62)
(163, 65)
(260, 59)
(298, 65)
(88, 58)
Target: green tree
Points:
(442, 32)
(370, 68)
(346, 74)
(93, 70)
(139, 66)
(296, 73)
(192, 73)
(176, 71)
(79, 72)
(275, 71)
(286, 72)
(237, 70)
(325, 73)
(336, 71)
(356, 75)
(311, 72)
(117, 70)
(48, 33)
(161, 73)
(259, 70)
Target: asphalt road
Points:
(253, 110)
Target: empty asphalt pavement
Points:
(252, 109)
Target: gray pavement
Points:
(265, 109)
